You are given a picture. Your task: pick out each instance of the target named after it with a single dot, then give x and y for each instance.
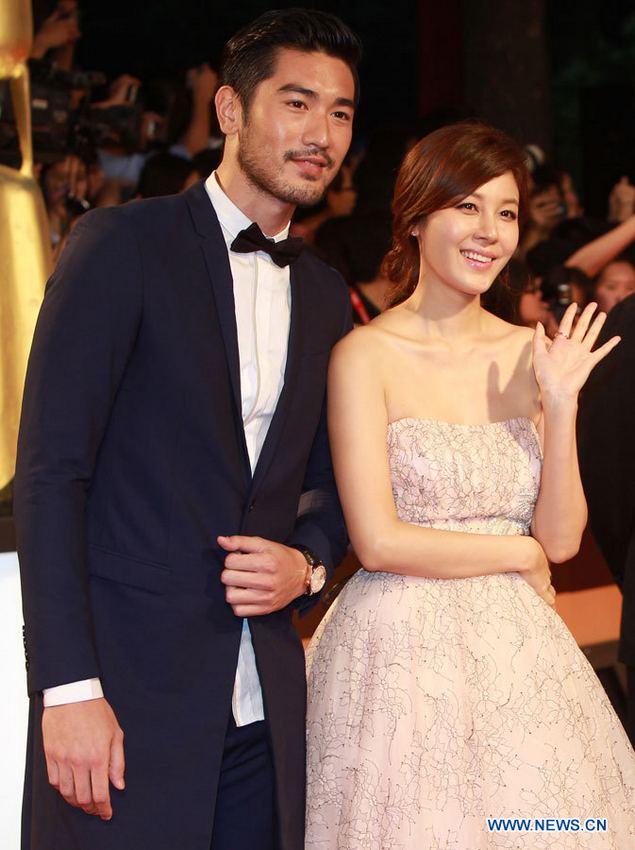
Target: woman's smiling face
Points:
(467, 245)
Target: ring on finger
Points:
(562, 334)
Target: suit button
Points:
(252, 505)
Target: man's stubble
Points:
(266, 175)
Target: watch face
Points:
(318, 578)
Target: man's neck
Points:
(270, 213)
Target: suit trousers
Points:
(245, 811)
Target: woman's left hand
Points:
(562, 366)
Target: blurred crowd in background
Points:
(102, 142)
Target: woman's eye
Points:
(510, 214)
(466, 205)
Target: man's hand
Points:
(83, 745)
(261, 576)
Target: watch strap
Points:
(312, 561)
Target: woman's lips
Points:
(477, 260)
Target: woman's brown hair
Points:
(438, 172)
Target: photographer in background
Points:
(191, 126)
(92, 141)
(614, 283)
(547, 209)
(64, 185)
(563, 285)
(58, 34)
(145, 119)
(127, 133)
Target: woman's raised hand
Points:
(563, 365)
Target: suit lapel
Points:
(220, 276)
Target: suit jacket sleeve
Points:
(607, 446)
(320, 522)
(83, 339)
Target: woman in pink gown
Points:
(444, 689)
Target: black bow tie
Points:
(253, 239)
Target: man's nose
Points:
(316, 129)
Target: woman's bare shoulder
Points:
(509, 333)
(358, 349)
(521, 335)
(513, 344)
(371, 340)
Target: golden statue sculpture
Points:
(25, 254)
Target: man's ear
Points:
(229, 110)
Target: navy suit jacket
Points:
(606, 432)
(132, 459)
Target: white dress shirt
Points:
(262, 298)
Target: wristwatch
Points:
(316, 571)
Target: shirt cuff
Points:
(73, 692)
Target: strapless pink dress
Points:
(435, 704)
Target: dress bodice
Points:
(482, 479)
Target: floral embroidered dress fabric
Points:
(435, 704)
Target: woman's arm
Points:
(561, 370)
(593, 256)
(560, 514)
(358, 422)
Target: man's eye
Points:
(297, 104)
(342, 116)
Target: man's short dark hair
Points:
(250, 56)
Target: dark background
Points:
(163, 37)
(559, 73)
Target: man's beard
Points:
(264, 176)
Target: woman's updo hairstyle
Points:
(438, 172)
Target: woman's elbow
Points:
(372, 552)
(558, 553)
(564, 544)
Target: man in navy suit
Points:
(606, 429)
(174, 492)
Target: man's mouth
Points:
(311, 165)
